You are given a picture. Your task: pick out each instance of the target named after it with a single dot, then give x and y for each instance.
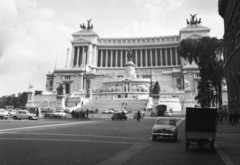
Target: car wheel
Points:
(15, 118)
(112, 118)
(153, 137)
(1, 117)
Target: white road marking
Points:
(77, 135)
(53, 125)
(70, 140)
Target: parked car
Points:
(165, 127)
(3, 114)
(11, 112)
(167, 114)
(24, 114)
(59, 114)
(108, 111)
(119, 116)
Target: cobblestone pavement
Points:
(95, 141)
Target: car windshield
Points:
(166, 122)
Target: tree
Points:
(23, 99)
(156, 88)
(206, 52)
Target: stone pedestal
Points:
(188, 100)
(60, 102)
(155, 102)
(30, 99)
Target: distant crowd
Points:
(232, 117)
(82, 114)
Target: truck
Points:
(200, 126)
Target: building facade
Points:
(95, 60)
(229, 11)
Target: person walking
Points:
(220, 117)
(138, 116)
(87, 112)
(230, 118)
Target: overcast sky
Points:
(33, 32)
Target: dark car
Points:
(118, 116)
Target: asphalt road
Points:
(95, 141)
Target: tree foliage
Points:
(204, 52)
(17, 102)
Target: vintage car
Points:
(108, 111)
(165, 127)
(167, 114)
(11, 112)
(59, 114)
(3, 114)
(24, 114)
(119, 116)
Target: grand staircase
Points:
(103, 104)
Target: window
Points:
(67, 77)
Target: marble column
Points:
(141, 57)
(72, 56)
(83, 55)
(136, 57)
(107, 58)
(89, 57)
(161, 57)
(166, 55)
(116, 58)
(146, 58)
(121, 58)
(171, 56)
(126, 57)
(156, 58)
(151, 62)
(78, 54)
(101, 57)
(176, 56)
(111, 62)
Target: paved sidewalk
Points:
(228, 143)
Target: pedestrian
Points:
(234, 119)
(72, 113)
(230, 118)
(238, 116)
(138, 116)
(220, 117)
(87, 112)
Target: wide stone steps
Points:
(130, 104)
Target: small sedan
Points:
(167, 114)
(3, 114)
(165, 127)
(59, 114)
(119, 116)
